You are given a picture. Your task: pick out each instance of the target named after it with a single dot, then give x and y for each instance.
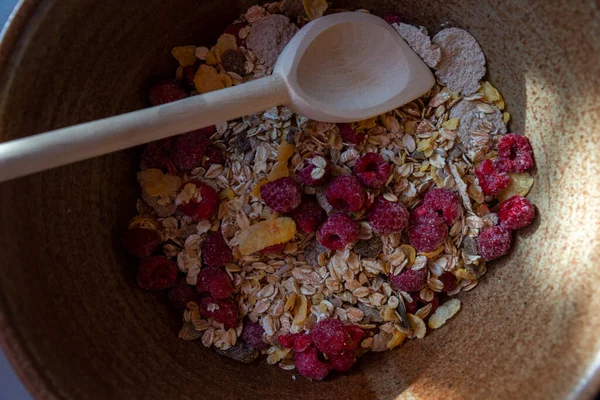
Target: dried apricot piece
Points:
(156, 183)
(285, 151)
(207, 79)
(315, 8)
(279, 170)
(185, 55)
(266, 233)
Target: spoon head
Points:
(349, 67)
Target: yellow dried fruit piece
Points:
(266, 233)
(226, 194)
(300, 310)
(315, 8)
(491, 95)
(285, 151)
(279, 170)
(207, 79)
(396, 340)
(155, 183)
(225, 42)
(424, 145)
(434, 253)
(452, 124)
(211, 58)
(290, 302)
(185, 55)
(505, 117)
(366, 124)
(256, 191)
(410, 254)
(417, 325)
(520, 183)
(444, 313)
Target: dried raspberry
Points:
(214, 156)
(287, 340)
(182, 293)
(282, 195)
(216, 281)
(494, 242)
(372, 170)
(392, 18)
(189, 73)
(446, 202)
(427, 230)
(342, 362)
(233, 61)
(274, 249)
(157, 273)
(302, 342)
(215, 251)
(491, 179)
(206, 207)
(166, 91)
(337, 232)
(345, 193)
(387, 217)
(514, 153)
(349, 135)
(252, 335)
(309, 215)
(516, 212)
(140, 242)
(207, 131)
(234, 29)
(435, 302)
(331, 336)
(449, 280)
(223, 311)
(309, 365)
(314, 171)
(410, 280)
(188, 150)
(355, 335)
(413, 306)
(155, 155)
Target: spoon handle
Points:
(79, 142)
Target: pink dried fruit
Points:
(214, 156)
(215, 251)
(155, 155)
(302, 342)
(491, 179)
(206, 207)
(387, 217)
(252, 335)
(337, 232)
(435, 302)
(182, 293)
(355, 336)
(189, 73)
(410, 280)
(346, 193)
(274, 249)
(331, 336)
(494, 242)
(314, 171)
(166, 91)
(215, 281)
(223, 311)
(309, 215)
(516, 212)
(392, 18)
(445, 202)
(309, 365)
(342, 362)
(157, 273)
(287, 340)
(514, 153)
(449, 280)
(282, 195)
(427, 230)
(349, 135)
(413, 306)
(372, 170)
(140, 242)
(189, 149)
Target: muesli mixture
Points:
(313, 243)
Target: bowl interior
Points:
(76, 326)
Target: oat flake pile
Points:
(313, 243)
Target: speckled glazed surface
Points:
(75, 326)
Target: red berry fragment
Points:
(140, 242)
(234, 29)
(427, 230)
(410, 280)
(337, 232)
(309, 215)
(155, 155)
(514, 153)
(188, 150)
(342, 362)
(331, 336)
(346, 193)
(216, 281)
(413, 306)
(189, 72)
(302, 342)
(314, 171)
(182, 293)
(387, 217)
(516, 212)
(274, 249)
(282, 195)
(203, 205)
(392, 18)
(223, 311)
(355, 335)
(445, 202)
(166, 91)
(215, 251)
(491, 179)
(287, 340)
(214, 156)
(449, 280)
(157, 273)
(494, 242)
(309, 365)
(252, 335)
(372, 170)
(349, 135)
(435, 302)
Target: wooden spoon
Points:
(339, 68)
